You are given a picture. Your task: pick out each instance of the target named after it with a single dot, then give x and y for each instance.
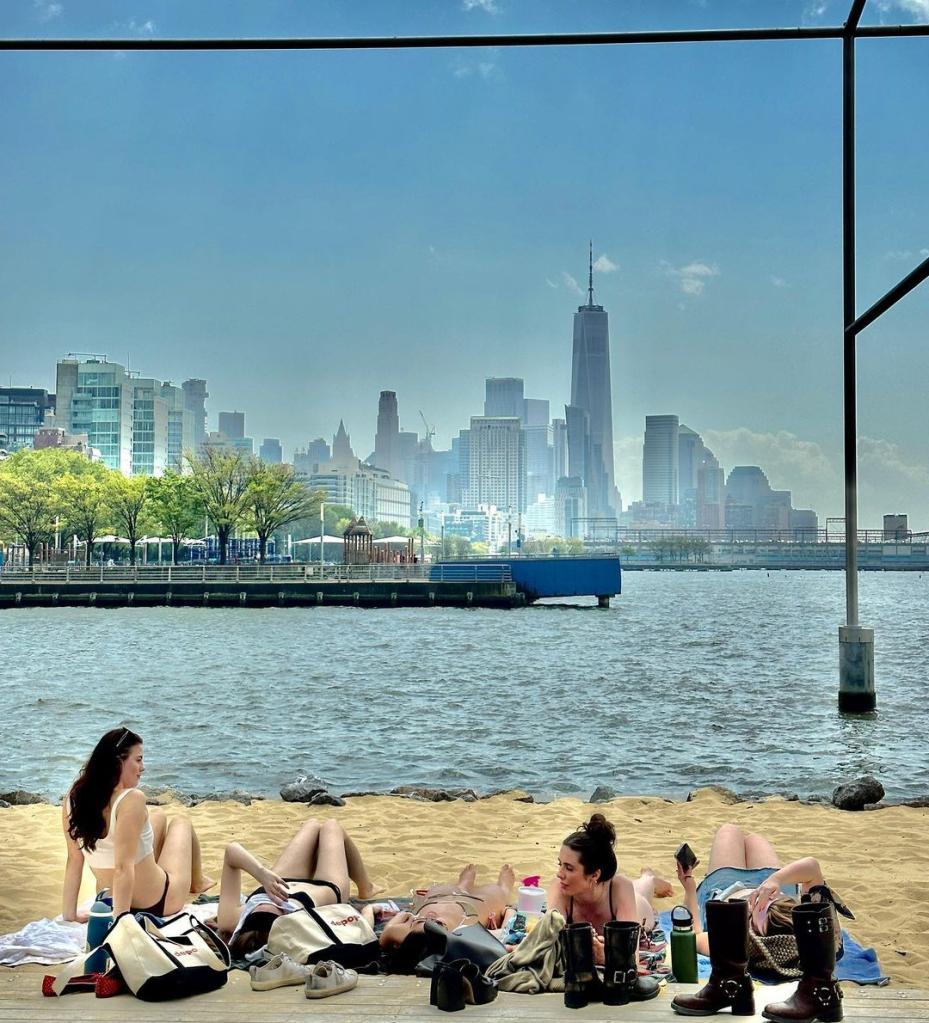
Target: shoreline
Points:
(877, 862)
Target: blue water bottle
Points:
(101, 917)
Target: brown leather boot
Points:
(818, 995)
(729, 983)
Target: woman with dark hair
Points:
(315, 869)
(588, 888)
(147, 862)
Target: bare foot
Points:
(661, 888)
(506, 878)
(467, 877)
(205, 884)
(369, 890)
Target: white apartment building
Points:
(496, 464)
(370, 492)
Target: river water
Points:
(691, 678)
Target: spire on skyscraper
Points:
(590, 276)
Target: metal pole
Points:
(856, 644)
(322, 524)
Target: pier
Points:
(505, 583)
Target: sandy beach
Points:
(877, 860)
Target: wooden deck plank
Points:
(399, 999)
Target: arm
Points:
(236, 859)
(804, 872)
(689, 884)
(74, 870)
(129, 823)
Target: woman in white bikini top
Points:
(147, 862)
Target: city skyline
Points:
(202, 234)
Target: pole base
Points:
(856, 670)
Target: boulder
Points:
(922, 801)
(303, 789)
(602, 794)
(20, 797)
(854, 795)
(236, 796)
(326, 799)
(4, 805)
(424, 793)
(363, 792)
(713, 792)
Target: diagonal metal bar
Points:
(912, 280)
(854, 16)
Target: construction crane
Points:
(430, 430)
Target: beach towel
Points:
(533, 967)
(858, 964)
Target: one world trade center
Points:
(590, 442)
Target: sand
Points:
(877, 861)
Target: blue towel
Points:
(858, 964)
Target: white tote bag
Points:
(179, 958)
(338, 932)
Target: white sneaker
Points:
(277, 972)
(329, 978)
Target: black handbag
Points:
(474, 943)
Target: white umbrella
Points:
(326, 539)
(393, 540)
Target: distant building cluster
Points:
(683, 486)
(513, 472)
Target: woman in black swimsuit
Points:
(588, 889)
(315, 869)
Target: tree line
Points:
(53, 491)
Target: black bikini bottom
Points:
(158, 909)
(303, 898)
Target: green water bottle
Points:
(683, 946)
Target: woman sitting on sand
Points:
(147, 862)
(745, 865)
(316, 868)
(452, 905)
(588, 889)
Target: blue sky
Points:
(305, 229)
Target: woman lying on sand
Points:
(453, 905)
(148, 862)
(588, 889)
(315, 869)
(746, 866)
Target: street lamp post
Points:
(322, 523)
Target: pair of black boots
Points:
(460, 983)
(621, 982)
(818, 995)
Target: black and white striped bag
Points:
(179, 958)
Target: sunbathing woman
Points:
(745, 865)
(588, 889)
(148, 863)
(315, 869)
(451, 905)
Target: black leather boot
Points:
(729, 983)
(621, 980)
(447, 991)
(818, 995)
(581, 984)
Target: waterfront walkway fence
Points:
(459, 572)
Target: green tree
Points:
(381, 529)
(220, 480)
(27, 510)
(128, 501)
(84, 506)
(175, 508)
(274, 498)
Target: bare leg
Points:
(467, 877)
(175, 861)
(299, 855)
(496, 897)
(728, 848)
(358, 872)
(159, 826)
(759, 852)
(650, 885)
(199, 882)
(331, 861)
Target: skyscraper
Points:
(497, 464)
(232, 424)
(387, 437)
(95, 397)
(195, 395)
(270, 451)
(503, 396)
(342, 446)
(660, 461)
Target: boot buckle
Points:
(625, 977)
(731, 988)
(824, 925)
(825, 993)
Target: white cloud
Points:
(604, 265)
(46, 10)
(693, 277)
(551, 283)
(815, 9)
(905, 255)
(571, 284)
(487, 69)
(918, 10)
(134, 27)
(778, 282)
(487, 6)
